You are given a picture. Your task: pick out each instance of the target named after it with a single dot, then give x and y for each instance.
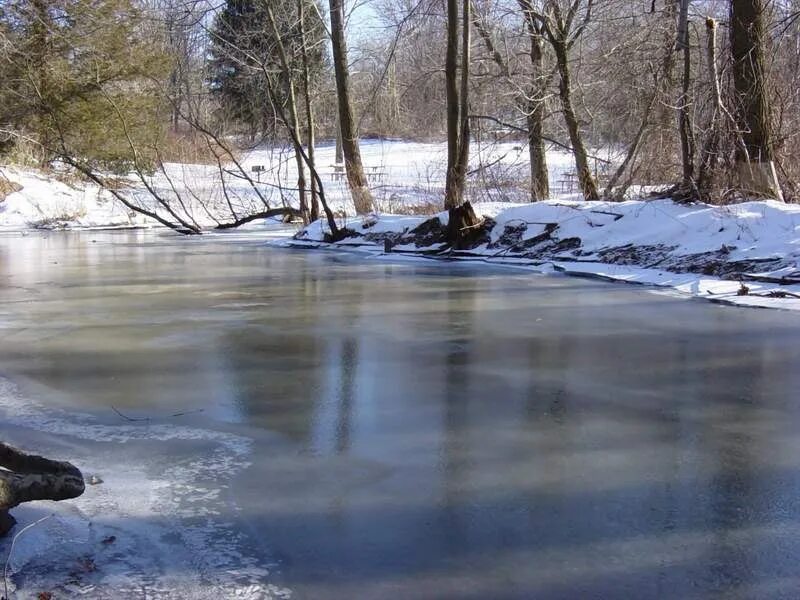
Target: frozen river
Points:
(282, 423)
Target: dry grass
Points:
(190, 148)
(418, 209)
(7, 187)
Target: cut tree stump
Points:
(27, 477)
(463, 225)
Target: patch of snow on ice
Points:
(159, 526)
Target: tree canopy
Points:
(80, 77)
(244, 63)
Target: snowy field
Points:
(405, 178)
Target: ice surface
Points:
(160, 525)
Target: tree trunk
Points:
(537, 154)
(466, 134)
(709, 155)
(462, 226)
(585, 178)
(540, 183)
(339, 155)
(356, 179)
(310, 141)
(294, 121)
(453, 194)
(754, 157)
(28, 477)
(458, 131)
(684, 123)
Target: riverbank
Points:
(746, 254)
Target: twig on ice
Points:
(177, 414)
(11, 551)
(187, 412)
(127, 418)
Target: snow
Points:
(406, 177)
(755, 229)
(145, 530)
(47, 202)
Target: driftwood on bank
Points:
(27, 477)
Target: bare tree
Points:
(530, 97)
(458, 131)
(563, 26)
(710, 152)
(754, 157)
(356, 178)
(293, 121)
(307, 95)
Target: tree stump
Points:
(27, 477)
(462, 226)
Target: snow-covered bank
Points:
(145, 530)
(44, 202)
(747, 254)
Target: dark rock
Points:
(511, 236)
(567, 244)
(7, 522)
(428, 233)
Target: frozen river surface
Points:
(274, 423)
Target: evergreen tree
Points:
(80, 79)
(244, 61)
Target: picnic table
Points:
(373, 172)
(568, 181)
(338, 172)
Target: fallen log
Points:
(27, 477)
